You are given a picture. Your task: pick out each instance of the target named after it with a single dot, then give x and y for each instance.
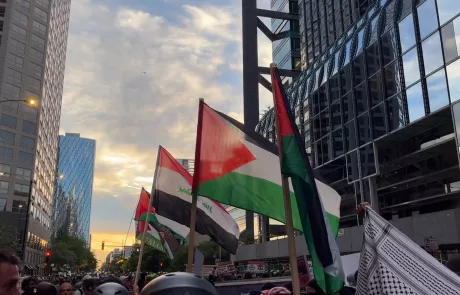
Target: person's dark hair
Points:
(45, 288)
(27, 281)
(7, 257)
(288, 286)
(267, 286)
(110, 279)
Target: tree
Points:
(211, 250)
(72, 251)
(9, 239)
(246, 237)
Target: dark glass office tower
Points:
(286, 52)
(378, 105)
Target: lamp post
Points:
(29, 101)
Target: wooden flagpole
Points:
(287, 207)
(191, 236)
(141, 252)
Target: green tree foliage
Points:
(211, 250)
(9, 238)
(72, 251)
(151, 260)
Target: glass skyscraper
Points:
(378, 106)
(74, 192)
(33, 44)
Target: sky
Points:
(134, 73)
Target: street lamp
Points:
(30, 101)
(29, 201)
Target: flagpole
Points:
(191, 236)
(287, 210)
(144, 234)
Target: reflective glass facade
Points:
(377, 107)
(286, 52)
(33, 36)
(73, 195)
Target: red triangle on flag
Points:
(143, 205)
(221, 150)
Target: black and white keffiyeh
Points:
(391, 263)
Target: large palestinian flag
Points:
(173, 200)
(239, 167)
(320, 239)
(161, 223)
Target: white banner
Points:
(225, 267)
(256, 266)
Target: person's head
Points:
(29, 284)
(110, 289)
(454, 265)
(9, 273)
(45, 288)
(267, 286)
(89, 285)
(66, 289)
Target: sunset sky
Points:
(135, 70)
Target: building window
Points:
(3, 187)
(16, 46)
(15, 60)
(454, 80)
(19, 206)
(21, 190)
(23, 3)
(6, 137)
(24, 174)
(5, 169)
(396, 112)
(27, 142)
(447, 9)
(38, 27)
(33, 83)
(8, 121)
(432, 53)
(451, 39)
(43, 2)
(21, 18)
(6, 153)
(437, 90)
(427, 19)
(31, 111)
(26, 158)
(415, 104)
(10, 91)
(36, 55)
(35, 70)
(41, 13)
(29, 127)
(37, 41)
(407, 33)
(411, 67)
(13, 76)
(2, 204)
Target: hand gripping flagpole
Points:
(287, 208)
(147, 217)
(191, 236)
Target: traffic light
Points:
(47, 257)
(103, 244)
(161, 263)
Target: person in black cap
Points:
(45, 288)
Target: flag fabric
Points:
(391, 263)
(319, 236)
(173, 200)
(239, 167)
(152, 237)
(161, 223)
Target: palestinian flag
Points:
(173, 200)
(162, 224)
(152, 237)
(239, 167)
(319, 236)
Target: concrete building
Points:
(378, 109)
(73, 193)
(188, 164)
(32, 60)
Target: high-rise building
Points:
(188, 164)
(379, 111)
(32, 59)
(73, 194)
(286, 51)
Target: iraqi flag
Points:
(161, 223)
(173, 200)
(239, 167)
(319, 236)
